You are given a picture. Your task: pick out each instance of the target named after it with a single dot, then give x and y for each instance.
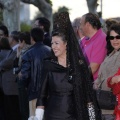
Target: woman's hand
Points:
(115, 79)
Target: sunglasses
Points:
(113, 37)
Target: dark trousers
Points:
(23, 101)
(24, 104)
(1, 105)
(11, 107)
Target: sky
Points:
(110, 8)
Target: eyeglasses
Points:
(113, 37)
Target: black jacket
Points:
(56, 93)
(31, 68)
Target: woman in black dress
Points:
(67, 90)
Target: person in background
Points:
(8, 82)
(3, 31)
(66, 90)
(13, 40)
(110, 65)
(32, 66)
(24, 45)
(76, 28)
(94, 44)
(44, 24)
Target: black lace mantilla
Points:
(77, 70)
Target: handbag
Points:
(106, 99)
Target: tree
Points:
(11, 14)
(37, 15)
(92, 6)
(12, 9)
(45, 6)
(1, 14)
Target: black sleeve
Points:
(26, 69)
(43, 93)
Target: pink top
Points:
(95, 49)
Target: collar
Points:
(82, 38)
(94, 36)
(15, 47)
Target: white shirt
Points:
(15, 47)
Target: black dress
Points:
(56, 93)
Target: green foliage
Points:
(49, 1)
(25, 27)
(61, 9)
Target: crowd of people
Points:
(55, 76)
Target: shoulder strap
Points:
(100, 87)
(101, 84)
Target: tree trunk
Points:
(92, 6)
(11, 14)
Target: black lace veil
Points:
(82, 79)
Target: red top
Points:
(115, 87)
(116, 91)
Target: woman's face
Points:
(115, 42)
(58, 46)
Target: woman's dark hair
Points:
(109, 22)
(115, 27)
(25, 36)
(5, 30)
(54, 33)
(93, 19)
(4, 44)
